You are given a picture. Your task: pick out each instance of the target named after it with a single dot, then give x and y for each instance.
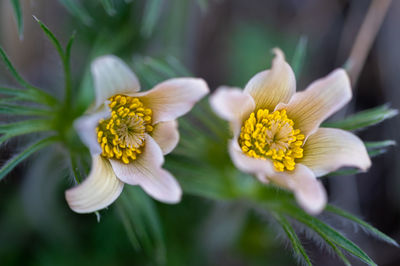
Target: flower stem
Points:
(365, 38)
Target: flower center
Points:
(122, 136)
(272, 135)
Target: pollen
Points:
(122, 136)
(273, 136)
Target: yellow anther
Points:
(122, 100)
(273, 136)
(125, 159)
(122, 136)
(113, 104)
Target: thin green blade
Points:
(364, 119)
(11, 164)
(367, 227)
(18, 17)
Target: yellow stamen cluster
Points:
(272, 135)
(122, 136)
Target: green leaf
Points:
(291, 234)
(343, 172)
(379, 144)
(69, 46)
(141, 220)
(367, 227)
(160, 67)
(35, 94)
(364, 119)
(76, 9)
(178, 66)
(12, 109)
(11, 164)
(109, 7)
(65, 56)
(18, 17)
(52, 38)
(299, 55)
(23, 127)
(32, 125)
(151, 15)
(128, 226)
(327, 233)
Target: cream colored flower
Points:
(276, 133)
(129, 133)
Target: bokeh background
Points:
(224, 42)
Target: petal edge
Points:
(97, 191)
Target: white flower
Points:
(129, 133)
(276, 133)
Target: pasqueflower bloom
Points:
(128, 133)
(276, 133)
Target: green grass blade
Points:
(379, 144)
(12, 109)
(151, 15)
(27, 126)
(160, 67)
(367, 227)
(328, 233)
(299, 55)
(18, 17)
(76, 9)
(291, 234)
(143, 222)
(63, 55)
(178, 66)
(34, 93)
(364, 119)
(69, 46)
(52, 38)
(109, 7)
(13, 71)
(23, 94)
(127, 226)
(11, 164)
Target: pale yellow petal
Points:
(86, 125)
(97, 191)
(319, 101)
(173, 98)
(328, 149)
(274, 86)
(233, 105)
(309, 192)
(112, 76)
(166, 135)
(146, 172)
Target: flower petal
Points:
(112, 76)
(309, 192)
(271, 87)
(173, 98)
(146, 172)
(232, 104)
(86, 125)
(247, 164)
(97, 191)
(166, 135)
(321, 99)
(328, 149)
